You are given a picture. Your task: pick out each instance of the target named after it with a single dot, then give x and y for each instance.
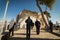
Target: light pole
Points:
(4, 18)
(7, 2)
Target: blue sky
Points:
(16, 6)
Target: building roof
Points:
(28, 12)
(25, 13)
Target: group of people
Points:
(37, 23)
(29, 24)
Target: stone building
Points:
(21, 17)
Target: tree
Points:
(47, 15)
(47, 3)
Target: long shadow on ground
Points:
(19, 38)
(54, 33)
(22, 34)
(15, 38)
(25, 33)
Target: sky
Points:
(16, 6)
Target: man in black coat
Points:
(28, 26)
(37, 24)
(12, 29)
(51, 26)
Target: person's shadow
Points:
(19, 38)
(55, 33)
(6, 37)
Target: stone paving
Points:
(21, 33)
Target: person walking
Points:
(12, 29)
(37, 24)
(28, 27)
(51, 26)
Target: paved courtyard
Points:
(21, 35)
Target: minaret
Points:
(4, 18)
